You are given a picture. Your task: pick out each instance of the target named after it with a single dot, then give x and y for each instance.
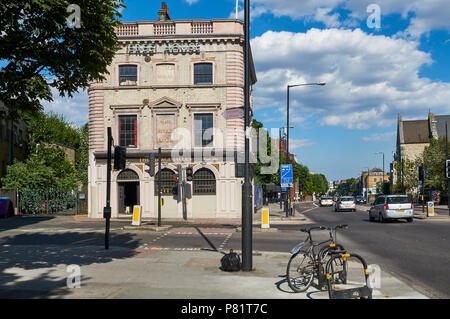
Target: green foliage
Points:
(48, 168)
(82, 155)
(43, 52)
(434, 157)
(51, 128)
(308, 183)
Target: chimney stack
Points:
(163, 14)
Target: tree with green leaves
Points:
(82, 155)
(43, 50)
(434, 157)
(45, 169)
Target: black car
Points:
(361, 200)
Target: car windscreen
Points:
(398, 200)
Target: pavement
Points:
(148, 271)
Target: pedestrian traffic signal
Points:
(120, 157)
(189, 174)
(151, 165)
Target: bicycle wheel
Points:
(300, 272)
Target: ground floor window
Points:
(204, 182)
(168, 182)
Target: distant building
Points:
(370, 181)
(414, 135)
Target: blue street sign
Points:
(286, 174)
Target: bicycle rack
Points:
(341, 274)
(353, 293)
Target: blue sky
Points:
(372, 74)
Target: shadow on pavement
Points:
(34, 265)
(19, 221)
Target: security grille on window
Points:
(128, 75)
(168, 182)
(128, 130)
(203, 73)
(204, 182)
(203, 133)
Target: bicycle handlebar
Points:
(307, 230)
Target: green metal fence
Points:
(47, 201)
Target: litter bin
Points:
(6, 207)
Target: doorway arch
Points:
(128, 191)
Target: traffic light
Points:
(151, 165)
(177, 175)
(120, 157)
(189, 174)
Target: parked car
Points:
(326, 201)
(392, 207)
(345, 203)
(361, 200)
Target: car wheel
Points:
(409, 220)
(371, 218)
(381, 218)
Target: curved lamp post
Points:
(287, 134)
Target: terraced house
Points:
(177, 85)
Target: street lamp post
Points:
(287, 134)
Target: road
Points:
(416, 252)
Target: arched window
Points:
(127, 175)
(168, 182)
(204, 182)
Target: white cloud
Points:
(425, 15)
(75, 110)
(370, 78)
(295, 144)
(191, 2)
(388, 136)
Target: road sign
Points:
(430, 210)
(286, 175)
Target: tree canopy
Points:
(41, 51)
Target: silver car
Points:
(392, 207)
(345, 203)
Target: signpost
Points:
(286, 175)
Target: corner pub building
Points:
(177, 85)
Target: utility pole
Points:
(247, 249)
(107, 209)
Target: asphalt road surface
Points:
(417, 252)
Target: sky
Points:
(379, 59)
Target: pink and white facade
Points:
(179, 86)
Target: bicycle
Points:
(303, 265)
